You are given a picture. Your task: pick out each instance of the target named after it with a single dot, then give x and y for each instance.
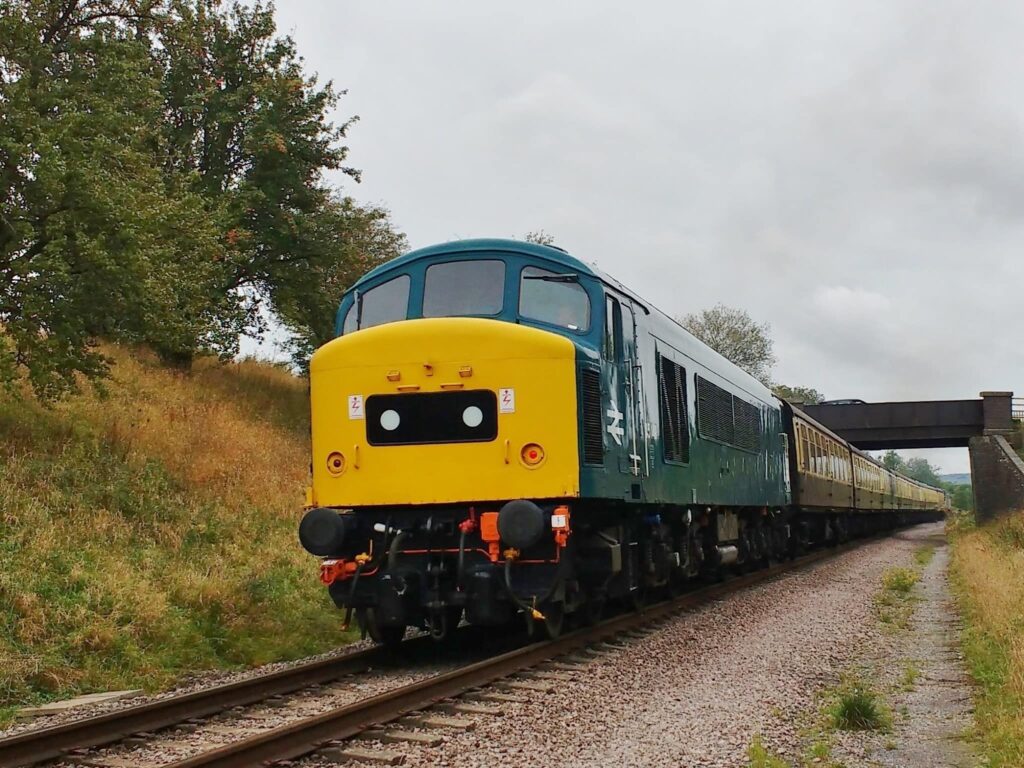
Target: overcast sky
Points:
(851, 173)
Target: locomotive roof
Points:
(564, 261)
(559, 258)
(546, 252)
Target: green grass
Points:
(988, 581)
(151, 532)
(857, 708)
(760, 756)
(900, 580)
(911, 672)
(894, 602)
(924, 555)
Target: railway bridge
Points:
(985, 426)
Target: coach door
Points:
(623, 419)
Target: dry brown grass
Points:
(220, 429)
(988, 568)
(151, 531)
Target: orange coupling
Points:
(332, 570)
(560, 525)
(489, 534)
(336, 570)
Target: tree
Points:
(251, 130)
(894, 462)
(734, 334)
(805, 395)
(923, 471)
(540, 237)
(161, 180)
(364, 237)
(917, 468)
(91, 235)
(962, 497)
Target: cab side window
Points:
(612, 330)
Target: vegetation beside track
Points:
(151, 532)
(988, 578)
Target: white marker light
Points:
(390, 420)
(472, 416)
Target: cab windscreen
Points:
(432, 417)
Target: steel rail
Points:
(41, 744)
(295, 740)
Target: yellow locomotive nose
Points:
(440, 410)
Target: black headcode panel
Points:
(417, 418)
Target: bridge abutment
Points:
(997, 477)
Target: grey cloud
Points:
(849, 172)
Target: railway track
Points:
(326, 733)
(58, 741)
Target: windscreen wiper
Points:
(568, 277)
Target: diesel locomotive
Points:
(501, 430)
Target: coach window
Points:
(805, 449)
(385, 303)
(464, 288)
(554, 298)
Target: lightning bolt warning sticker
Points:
(355, 407)
(507, 400)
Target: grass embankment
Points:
(152, 532)
(988, 576)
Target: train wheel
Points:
(388, 636)
(592, 610)
(637, 598)
(554, 620)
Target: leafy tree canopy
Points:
(735, 335)
(806, 395)
(161, 178)
(916, 468)
(540, 237)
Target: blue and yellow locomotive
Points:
(501, 429)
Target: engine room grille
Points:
(592, 423)
(747, 423)
(675, 426)
(726, 418)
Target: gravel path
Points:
(933, 714)
(697, 691)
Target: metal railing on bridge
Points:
(1017, 409)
